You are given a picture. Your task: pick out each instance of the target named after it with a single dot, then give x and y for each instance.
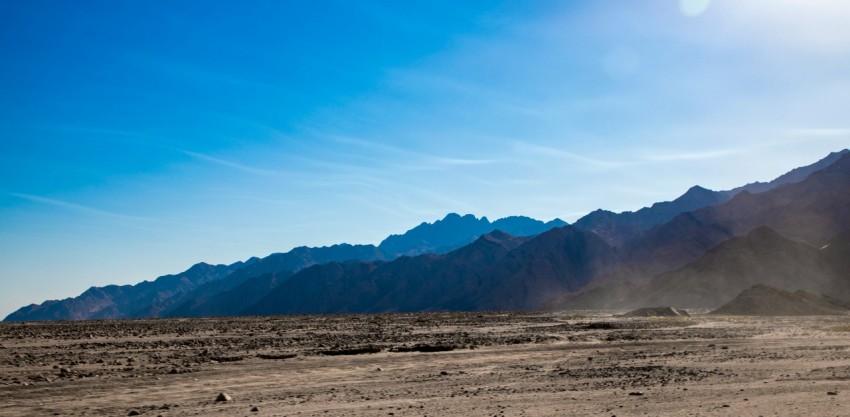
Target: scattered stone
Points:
(832, 393)
(636, 393)
(223, 397)
(443, 373)
(277, 356)
(255, 409)
(134, 413)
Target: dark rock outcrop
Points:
(763, 300)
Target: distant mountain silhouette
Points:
(455, 231)
(146, 299)
(245, 286)
(618, 228)
(240, 285)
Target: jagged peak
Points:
(497, 235)
(450, 216)
(599, 213)
(455, 217)
(698, 189)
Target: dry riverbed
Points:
(476, 364)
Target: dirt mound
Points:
(656, 312)
(762, 300)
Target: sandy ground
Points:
(546, 364)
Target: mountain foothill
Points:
(746, 249)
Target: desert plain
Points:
(429, 364)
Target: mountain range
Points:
(215, 290)
(699, 250)
(618, 228)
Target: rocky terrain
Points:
(502, 364)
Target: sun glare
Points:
(693, 8)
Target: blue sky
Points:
(137, 138)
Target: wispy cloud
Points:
(821, 132)
(567, 155)
(664, 156)
(129, 221)
(231, 164)
(465, 161)
(366, 144)
(418, 160)
(74, 206)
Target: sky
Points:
(140, 137)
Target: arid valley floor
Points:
(491, 364)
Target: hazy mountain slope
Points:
(814, 210)
(278, 267)
(146, 299)
(497, 271)
(618, 228)
(560, 260)
(442, 282)
(232, 301)
(328, 288)
(761, 257)
(425, 282)
(836, 255)
(790, 177)
(763, 300)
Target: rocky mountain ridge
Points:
(696, 251)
